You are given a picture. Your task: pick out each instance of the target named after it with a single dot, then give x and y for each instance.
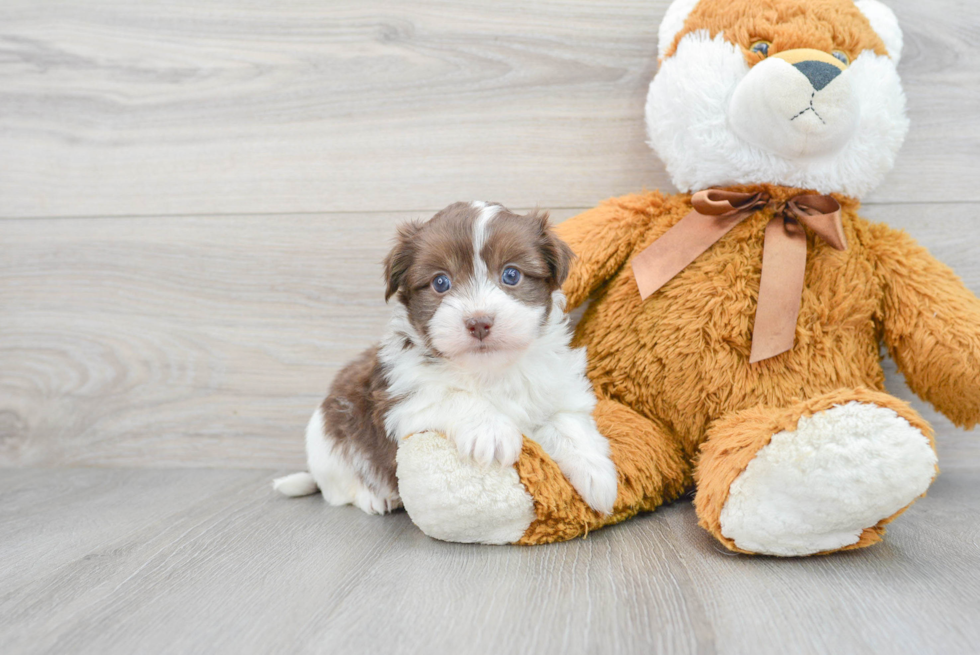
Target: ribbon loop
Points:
(715, 212)
(720, 202)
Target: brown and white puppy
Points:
(477, 348)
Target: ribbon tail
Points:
(780, 288)
(679, 246)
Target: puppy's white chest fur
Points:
(541, 393)
(527, 389)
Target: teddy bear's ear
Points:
(400, 259)
(885, 24)
(673, 23)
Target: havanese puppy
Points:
(477, 348)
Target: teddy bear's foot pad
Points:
(453, 499)
(817, 488)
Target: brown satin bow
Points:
(716, 211)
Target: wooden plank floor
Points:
(155, 561)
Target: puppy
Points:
(477, 348)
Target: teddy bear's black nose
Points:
(819, 73)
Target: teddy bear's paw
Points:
(817, 488)
(453, 499)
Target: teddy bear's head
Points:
(802, 93)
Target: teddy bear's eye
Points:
(760, 48)
(842, 56)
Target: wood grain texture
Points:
(207, 341)
(178, 107)
(132, 561)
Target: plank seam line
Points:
(340, 212)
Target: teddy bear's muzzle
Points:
(797, 103)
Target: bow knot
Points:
(715, 212)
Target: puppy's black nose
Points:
(479, 326)
(819, 73)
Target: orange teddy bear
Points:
(733, 335)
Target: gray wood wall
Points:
(195, 196)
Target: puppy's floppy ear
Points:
(557, 253)
(400, 259)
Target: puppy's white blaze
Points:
(481, 229)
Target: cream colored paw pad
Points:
(818, 487)
(456, 500)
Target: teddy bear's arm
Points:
(604, 238)
(931, 325)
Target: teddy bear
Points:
(735, 328)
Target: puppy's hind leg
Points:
(336, 473)
(303, 483)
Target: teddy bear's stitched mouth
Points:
(810, 108)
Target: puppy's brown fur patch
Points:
(354, 416)
(528, 244)
(424, 250)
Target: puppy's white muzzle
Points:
(796, 104)
(508, 326)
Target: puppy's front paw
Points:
(596, 480)
(489, 441)
(582, 454)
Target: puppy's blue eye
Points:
(510, 276)
(841, 57)
(441, 284)
(760, 48)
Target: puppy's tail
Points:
(297, 484)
